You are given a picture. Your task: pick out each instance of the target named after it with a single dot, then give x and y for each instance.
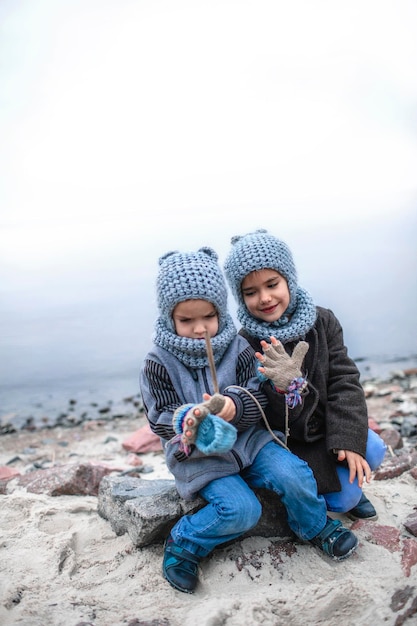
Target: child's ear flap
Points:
(237, 238)
(210, 252)
(166, 255)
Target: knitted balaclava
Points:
(191, 276)
(257, 251)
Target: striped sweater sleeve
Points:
(248, 412)
(159, 398)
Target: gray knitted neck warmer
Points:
(287, 328)
(192, 352)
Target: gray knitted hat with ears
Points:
(257, 251)
(190, 276)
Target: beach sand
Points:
(62, 565)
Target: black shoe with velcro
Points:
(180, 567)
(335, 540)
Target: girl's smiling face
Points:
(193, 317)
(265, 294)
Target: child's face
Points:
(193, 317)
(266, 294)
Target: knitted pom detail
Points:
(166, 256)
(210, 252)
(294, 391)
(237, 238)
(184, 447)
(204, 250)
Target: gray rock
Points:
(148, 509)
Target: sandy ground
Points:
(61, 564)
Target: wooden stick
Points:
(211, 362)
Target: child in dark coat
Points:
(324, 413)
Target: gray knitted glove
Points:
(281, 368)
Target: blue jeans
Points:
(233, 507)
(349, 496)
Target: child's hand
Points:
(188, 417)
(280, 367)
(358, 466)
(197, 424)
(228, 412)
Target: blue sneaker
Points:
(363, 510)
(180, 567)
(335, 540)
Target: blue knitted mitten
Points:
(215, 435)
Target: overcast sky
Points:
(132, 127)
(199, 116)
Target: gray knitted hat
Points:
(257, 251)
(190, 276)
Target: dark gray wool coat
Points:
(333, 414)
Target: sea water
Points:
(82, 329)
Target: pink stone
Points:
(409, 556)
(392, 438)
(396, 465)
(373, 425)
(66, 480)
(386, 536)
(8, 472)
(143, 440)
(134, 460)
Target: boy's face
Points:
(193, 317)
(266, 294)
